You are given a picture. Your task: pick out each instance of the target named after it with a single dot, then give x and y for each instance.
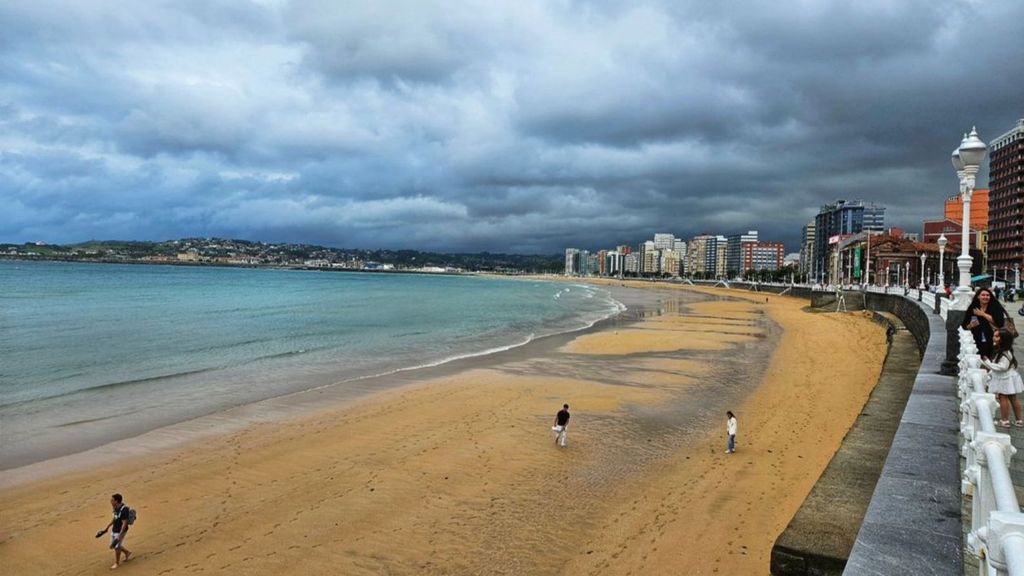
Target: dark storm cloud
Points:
(503, 126)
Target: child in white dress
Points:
(1005, 380)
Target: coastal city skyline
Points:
(506, 127)
(835, 245)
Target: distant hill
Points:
(223, 251)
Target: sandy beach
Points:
(457, 472)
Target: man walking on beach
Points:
(561, 423)
(120, 529)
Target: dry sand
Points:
(460, 475)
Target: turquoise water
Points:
(88, 342)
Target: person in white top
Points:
(1005, 381)
(732, 432)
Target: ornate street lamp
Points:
(867, 262)
(942, 252)
(920, 285)
(966, 160)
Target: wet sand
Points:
(457, 473)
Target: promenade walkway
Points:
(918, 518)
(899, 509)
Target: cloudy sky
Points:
(516, 126)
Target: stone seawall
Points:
(893, 484)
(913, 524)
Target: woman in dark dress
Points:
(983, 317)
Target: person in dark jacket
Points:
(561, 423)
(983, 317)
(119, 524)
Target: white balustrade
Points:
(928, 299)
(996, 534)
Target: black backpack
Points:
(132, 515)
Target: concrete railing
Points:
(996, 535)
(929, 299)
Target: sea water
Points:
(84, 346)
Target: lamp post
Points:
(942, 252)
(920, 285)
(849, 267)
(966, 160)
(867, 262)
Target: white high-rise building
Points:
(613, 263)
(631, 263)
(696, 256)
(647, 264)
(807, 246)
(572, 261)
(670, 263)
(652, 261)
(721, 250)
(664, 241)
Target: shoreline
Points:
(134, 443)
(30, 440)
(454, 473)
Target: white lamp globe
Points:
(958, 164)
(972, 150)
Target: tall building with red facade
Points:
(1006, 202)
(763, 255)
